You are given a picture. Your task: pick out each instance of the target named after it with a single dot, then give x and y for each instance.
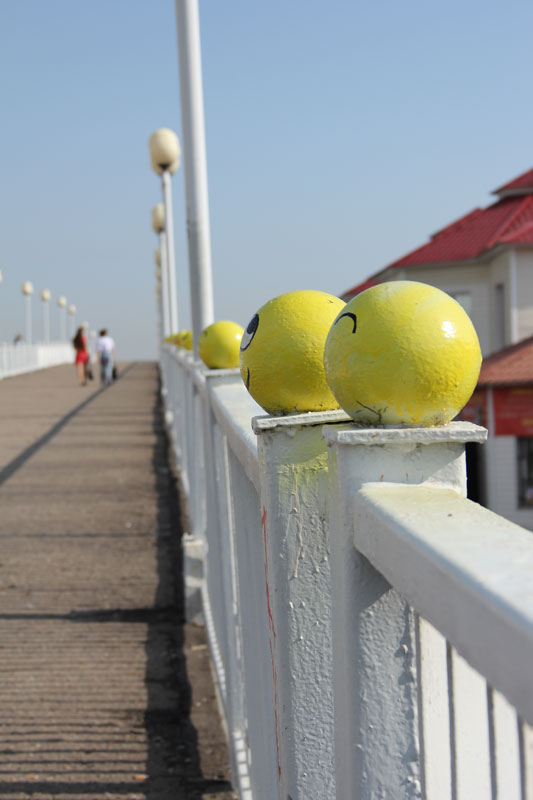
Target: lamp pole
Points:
(45, 297)
(160, 261)
(27, 291)
(158, 224)
(165, 158)
(72, 315)
(171, 258)
(158, 296)
(62, 303)
(195, 163)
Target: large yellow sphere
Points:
(282, 352)
(402, 353)
(218, 345)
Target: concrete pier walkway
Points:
(96, 663)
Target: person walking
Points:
(105, 350)
(82, 356)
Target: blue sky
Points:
(340, 135)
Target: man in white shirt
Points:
(105, 349)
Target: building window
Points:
(525, 473)
(465, 300)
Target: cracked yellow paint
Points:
(282, 352)
(402, 353)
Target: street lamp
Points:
(45, 297)
(72, 313)
(62, 303)
(158, 225)
(27, 291)
(165, 159)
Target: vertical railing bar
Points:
(525, 778)
(451, 705)
(419, 689)
(492, 742)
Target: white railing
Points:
(371, 629)
(19, 358)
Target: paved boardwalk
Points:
(95, 701)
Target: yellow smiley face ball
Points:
(402, 353)
(219, 345)
(183, 339)
(282, 352)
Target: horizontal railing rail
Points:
(371, 629)
(20, 358)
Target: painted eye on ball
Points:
(282, 359)
(351, 316)
(249, 333)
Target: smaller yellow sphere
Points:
(181, 339)
(186, 340)
(402, 353)
(282, 352)
(219, 344)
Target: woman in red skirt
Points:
(82, 356)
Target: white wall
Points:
(524, 270)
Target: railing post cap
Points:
(306, 419)
(452, 432)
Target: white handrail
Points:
(401, 669)
(464, 569)
(20, 358)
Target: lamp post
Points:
(158, 296)
(72, 315)
(27, 291)
(195, 163)
(158, 225)
(62, 303)
(45, 297)
(165, 159)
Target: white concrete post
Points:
(377, 748)
(294, 487)
(170, 259)
(195, 161)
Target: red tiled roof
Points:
(359, 288)
(508, 221)
(512, 365)
(524, 181)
